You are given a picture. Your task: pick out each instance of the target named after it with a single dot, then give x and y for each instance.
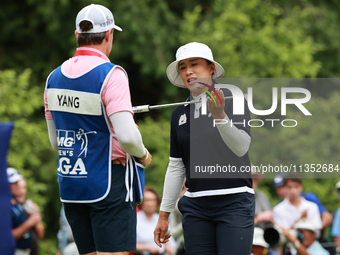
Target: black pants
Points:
(220, 225)
(108, 225)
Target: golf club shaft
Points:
(147, 108)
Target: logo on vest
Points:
(69, 143)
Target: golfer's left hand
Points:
(217, 110)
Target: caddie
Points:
(90, 122)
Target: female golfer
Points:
(210, 151)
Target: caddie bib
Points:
(83, 133)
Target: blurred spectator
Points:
(176, 226)
(260, 247)
(26, 218)
(336, 224)
(279, 185)
(305, 241)
(294, 207)
(262, 201)
(263, 211)
(308, 235)
(263, 215)
(146, 222)
(326, 216)
(66, 244)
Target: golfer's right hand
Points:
(161, 234)
(146, 159)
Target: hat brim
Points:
(117, 28)
(15, 178)
(175, 78)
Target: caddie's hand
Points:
(146, 159)
(217, 110)
(161, 234)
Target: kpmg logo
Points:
(67, 148)
(238, 105)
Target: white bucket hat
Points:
(191, 50)
(100, 17)
(258, 239)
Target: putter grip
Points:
(141, 108)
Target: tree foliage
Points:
(157, 140)
(253, 39)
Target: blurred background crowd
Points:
(298, 223)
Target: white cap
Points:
(100, 17)
(279, 181)
(13, 175)
(258, 239)
(307, 224)
(192, 50)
